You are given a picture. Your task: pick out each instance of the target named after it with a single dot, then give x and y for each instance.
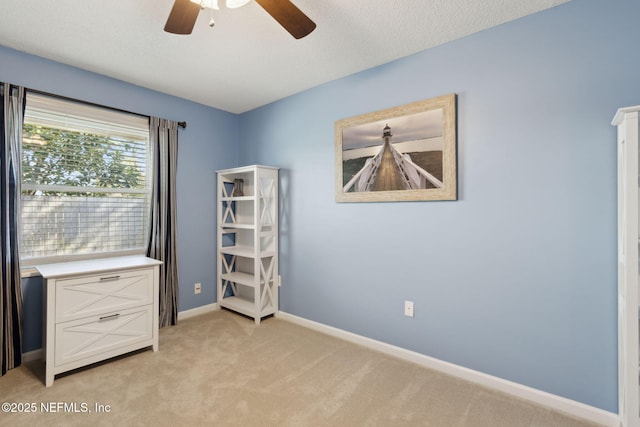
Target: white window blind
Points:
(85, 181)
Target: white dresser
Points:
(98, 309)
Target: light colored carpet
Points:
(220, 369)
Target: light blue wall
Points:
(207, 144)
(518, 277)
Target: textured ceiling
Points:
(247, 60)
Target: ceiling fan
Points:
(185, 12)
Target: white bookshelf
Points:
(247, 253)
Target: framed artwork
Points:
(405, 153)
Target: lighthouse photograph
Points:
(403, 153)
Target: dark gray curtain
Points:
(162, 242)
(12, 105)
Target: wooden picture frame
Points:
(405, 153)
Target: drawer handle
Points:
(106, 279)
(112, 316)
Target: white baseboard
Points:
(30, 356)
(558, 403)
(186, 314)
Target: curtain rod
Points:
(93, 104)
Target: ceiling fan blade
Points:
(289, 16)
(182, 17)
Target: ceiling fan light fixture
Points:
(232, 4)
(208, 4)
(184, 14)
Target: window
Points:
(86, 186)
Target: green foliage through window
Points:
(58, 157)
(86, 189)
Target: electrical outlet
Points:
(408, 308)
(197, 288)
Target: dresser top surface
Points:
(63, 269)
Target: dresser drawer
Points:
(83, 338)
(92, 295)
